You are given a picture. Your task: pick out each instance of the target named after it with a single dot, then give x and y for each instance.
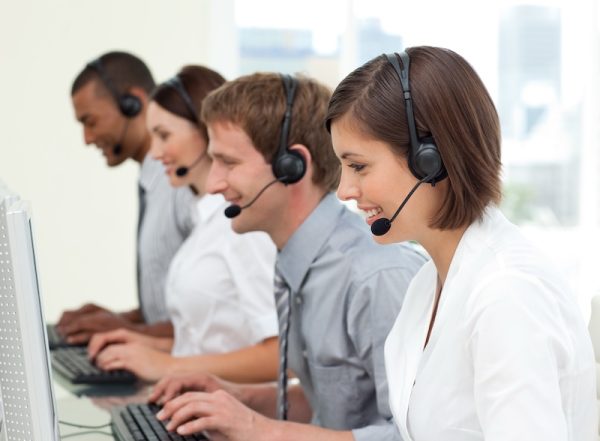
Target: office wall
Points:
(84, 212)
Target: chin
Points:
(176, 181)
(238, 225)
(397, 233)
(385, 239)
(247, 223)
(114, 162)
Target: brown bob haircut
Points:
(197, 82)
(257, 103)
(450, 104)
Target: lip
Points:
(234, 201)
(370, 219)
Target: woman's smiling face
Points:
(378, 179)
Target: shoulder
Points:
(502, 271)
(354, 244)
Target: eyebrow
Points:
(347, 155)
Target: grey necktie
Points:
(142, 206)
(142, 209)
(283, 301)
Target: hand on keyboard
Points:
(102, 339)
(146, 363)
(140, 424)
(218, 413)
(173, 385)
(79, 325)
(73, 364)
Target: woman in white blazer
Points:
(489, 344)
(219, 287)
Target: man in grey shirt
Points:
(337, 291)
(110, 96)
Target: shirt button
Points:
(305, 354)
(298, 300)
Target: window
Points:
(539, 60)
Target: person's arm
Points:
(263, 399)
(124, 349)
(374, 306)
(253, 364)
(219, 412)
(71, 314)
(260, 397)
(134, 316)
(146, 363)
(79, 327)
(159, 329)
(123, 336)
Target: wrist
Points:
(137, 327)
(244, 395)
(132, 316)
(268, 429)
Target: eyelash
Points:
(357, 167)
(227, 162)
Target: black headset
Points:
(177, 84)
(129, 105)
(288, 165)
(424, 159)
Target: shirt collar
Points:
(294, 260)
(150, 172)
(208, 206)
(480, 233)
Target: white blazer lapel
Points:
(404, 345)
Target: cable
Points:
(79, 426)
(87, 432)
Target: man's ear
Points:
(139, 93)
(303, 150)
(304, 153)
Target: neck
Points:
(301, 203)
(441, 246)
(199, 174)
(144, 147)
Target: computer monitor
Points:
(27, 405)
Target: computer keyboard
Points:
(74, 364)
(55, 340)
(137, 422)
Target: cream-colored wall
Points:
(84, 212)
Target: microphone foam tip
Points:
(381, 226)
(233, 211)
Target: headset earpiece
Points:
(289, 166)
(424, 159)
(129, 105)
